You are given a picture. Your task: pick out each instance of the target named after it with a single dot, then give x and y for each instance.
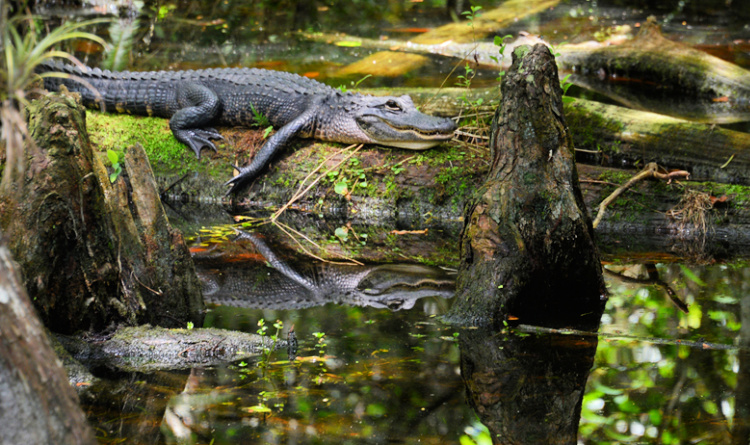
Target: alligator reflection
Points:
(526, 388)
(298, 284)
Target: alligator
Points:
(298, 106)
(287, 286)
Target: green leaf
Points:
(122, 35)
(689, 274)
(466, 440)
(342, 233)
(267, 131)
(348, 43)
(341, 188)
(113, 157)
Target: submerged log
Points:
(37, 404)
(527, 250)
(148, 349)
(94, 254)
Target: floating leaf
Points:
(341, 188)
(258, 409)
(349, 43)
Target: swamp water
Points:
(388, 371)
(373, 374)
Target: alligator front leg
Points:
(199, 106)
(272, 146)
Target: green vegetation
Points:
(24, 48)
(263, 332)
(343, 88)
(114, 158)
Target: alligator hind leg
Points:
(199, 106)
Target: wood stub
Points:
(527, 248)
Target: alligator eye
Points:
(392, 105)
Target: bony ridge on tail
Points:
(196, 100)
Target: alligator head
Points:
(399, 286)
(393, 122)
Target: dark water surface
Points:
(372, 374)
(375, 375)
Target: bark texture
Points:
(93, 254)
(37, 404)
(527, 248)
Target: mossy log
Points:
(93, 254)
(619, 136)
(148, 349)
(527, 249)
(416, 190)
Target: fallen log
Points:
(148, 349)
(417, 190)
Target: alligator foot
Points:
(239, 182)
(197, 138)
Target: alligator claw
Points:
(197, 138)
(245, 176)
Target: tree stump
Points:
(93, 254)
(527, 248)
(37, 404)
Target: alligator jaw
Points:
(427, 131)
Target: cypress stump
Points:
(527, 248)
(94, 254)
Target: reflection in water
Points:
(527, 389)
(301, 284)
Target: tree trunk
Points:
(37, 404)
(527, 249)
(94, 254)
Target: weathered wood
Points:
(619, 136)
(93, 254)
(37, 404)
(527, 249)
(485, 23)
(147, 349)
(653, 73)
